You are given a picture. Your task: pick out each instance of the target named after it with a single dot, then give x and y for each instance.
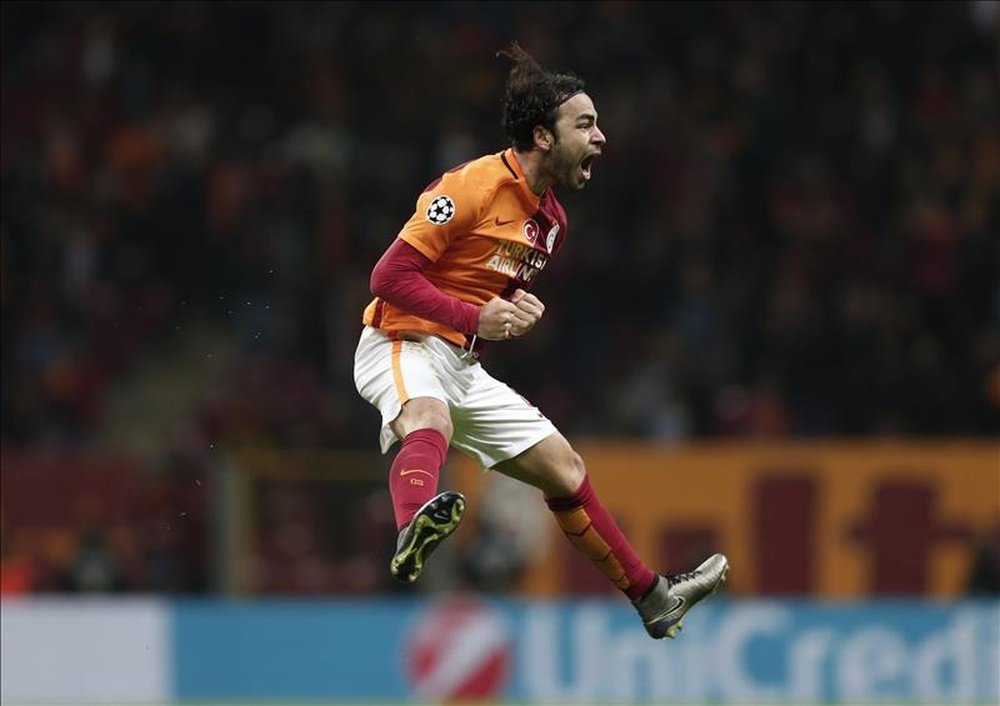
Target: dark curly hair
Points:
(532, 97)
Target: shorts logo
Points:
(531, 230)
(441, 210)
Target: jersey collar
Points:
(511, 160)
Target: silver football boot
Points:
(664, 607)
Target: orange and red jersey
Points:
(485, 233)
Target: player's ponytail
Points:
(532, 96)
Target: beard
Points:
(568, 170)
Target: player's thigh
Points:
(551, 465)
(405, 382)
(493, 423)
(504, 431)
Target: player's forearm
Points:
(399, 279)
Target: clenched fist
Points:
(529, 311)
(500, 319)
(496, 319)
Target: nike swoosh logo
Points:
(498, 222)
(678, 604)
(408, 471)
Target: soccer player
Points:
(458, 274)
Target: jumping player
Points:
(458, 274)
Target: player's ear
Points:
(544, 139)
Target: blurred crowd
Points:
(793, 231)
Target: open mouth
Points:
(588, 163)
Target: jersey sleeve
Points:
(398, 278)
(448, 208)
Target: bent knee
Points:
(577, 471)
(569, 475)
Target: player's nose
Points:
(598, 137)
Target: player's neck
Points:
(534, 173)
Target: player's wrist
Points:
(470, 316)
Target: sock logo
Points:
(415, 481)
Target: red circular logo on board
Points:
(531, 230)
(458, 648)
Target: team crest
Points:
(441, 210)
(550, 239)
(531, 230)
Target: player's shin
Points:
(413, 478)
(592, 530)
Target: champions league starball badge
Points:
(441, 210)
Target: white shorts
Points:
(492, 423)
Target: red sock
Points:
(413, 478)
(592, 530)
